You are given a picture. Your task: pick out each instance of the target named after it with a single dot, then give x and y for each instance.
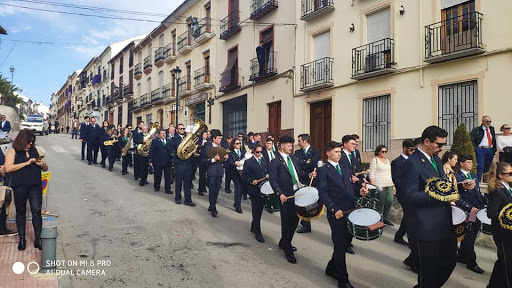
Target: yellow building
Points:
(386, 69)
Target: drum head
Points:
(364, 217)
(266, 189)
(458, 215)
(306, 196)
(482, 216)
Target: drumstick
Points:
(290, 197)
(311, 181)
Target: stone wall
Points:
(11, 115)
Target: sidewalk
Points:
(9, 254)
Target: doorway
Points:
(320, 125)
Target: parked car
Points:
(5, 142)
(35, 123)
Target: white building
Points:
(41, 109)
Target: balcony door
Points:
(320, 125)
(274, 119)
(233, 18)
(322, 50)
(378, 50)
(267, 36)
(459, 26)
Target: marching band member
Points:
(93, 142)
(201, 144)
(182, 168)
(122, 143)
(429, 220)
(234, 161)
(255, 168)
(143, 161)
(109, 149)
(84, 132)
(214, 170)
(336, 192)
(160, 159)
(308, 157)
(285, 172)
(137, 139)
(500, 195)
(103, 135)
(268, 152)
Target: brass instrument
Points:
(128, 145)
(109, 142)
(217, 150)
(143, 149)
(189, 145)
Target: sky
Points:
(64, 42)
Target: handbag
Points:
(507, 150)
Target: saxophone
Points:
(189, 145)
(143, 149)
(128, 144)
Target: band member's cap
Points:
(215, 133)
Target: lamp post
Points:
(12, 74)
(177, 72)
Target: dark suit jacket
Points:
(230, 164)
(174, 143)
(312, 156)
(354, 167)
(160, 154)
(260, 53)
(254, 171)
(137, 137)
(335, 190)
(7, 127)
(265, 154)
(469, 198)
(478, 133)
(397, 168)
(428, 219)
(213, 169)
(280, 177)
(85, 130)
(498, 199)
(95, 134)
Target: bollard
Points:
(49, 254)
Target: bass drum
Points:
(307, 204)
(270, 200)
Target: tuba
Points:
(143, 149)
(189, 145)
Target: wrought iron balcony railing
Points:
(183, 40)
(230, 25)
(202, 76)
(229, 80)
(317, 74)
(314, 8)
(260, 8)
(373, 59)
(264, 67)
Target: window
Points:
(149, 119)
(378, 25)
(148, 86)
(458, 104)
(206, 56)
(121, 65)
(376, 122)
(120, 115)
(200, 111)
(189, 73)
(457, 17)
(235, 116)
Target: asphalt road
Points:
(146, 240)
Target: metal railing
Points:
(229, 80)
(316, 72)
(229, 24)
(159, 54)
(262, 7)
(147, 62)
(453, 35)
(202, 76)
(137, 69)
(373, 57)
(311, 6)
(156, 95)
(183, 84)
(170, 50)
(128, 89)
(143, 100)
(183, 40)
(203, 26)
(265, 66)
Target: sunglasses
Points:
(181, 128)
(506, 128)
(488, 121)
(257, 152)
(237, 143)
(440, 144)
(411, 149)
(509, 173)
(383, 151)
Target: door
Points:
(233, 18)
(320, 125)
(322, 44)
(235, 116)
(161, 117)
(274, 119)
(459, 30)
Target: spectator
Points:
(6, 125)
(380, 176)
(3, 209)
(67, 129)
(504, 144)
(483, 138)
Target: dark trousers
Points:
(467, 246)
(126, 161)
(437, 260)
(261, 63)
(92, 152)
(227, 184)
(202, 178)
(501, 276)
(257, 211)
(183, 174)
(289, 222)
(158, 177)
(34, 195)
(237, 180)
(3, 217)
(306, 224)
(143, 172)
(214, 187)
(338, 264)
(117, 151)
(483, 159)
(84, 149)
(104, 154)
(403, 225)
(110, 156)
(136, 166)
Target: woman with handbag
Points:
(504, 144)
(24, 163)
(380, 176)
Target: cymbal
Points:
(216, 150)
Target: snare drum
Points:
(307, 204)
(483, 222)
(459, 222)
(361, 223)
(270, 200)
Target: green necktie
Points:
(469, 176)
(434, 164)
(238, 153)
(271, 156)
(259, 161)
(338, 168)
(163, 141)
(304, 151)
(351, 158)
(292, 171)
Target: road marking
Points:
(59, 149)
(42, 149)
(77, 149)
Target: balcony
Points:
(148, 66)
(105, 78)
(202, 79)
(184, 86)
(159, 57)
(131, 105)
(455, 38)
(135, 104)
(170, 53)
(137, 73)
(264, 70)
(316, 75)
(229, 26)
(260, 8)
(96, 105)
(109, 102)
(144, 100)
(312, 9)
(229, 80)
(128, 91)
(184, 43)
(166, 91)
(118, 95)
(203, 31)
(374, 59)
(156, 95)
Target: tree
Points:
(7, 90)
(462, 144)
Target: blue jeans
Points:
(483, 161)
(74, 134)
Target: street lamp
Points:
(177, 72)
(12, 74)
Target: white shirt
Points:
(214, 145)
(306, 149)
(3, 123)
(484, 141)
(285, 157)
(503, 141)
(270, 153)
(333, 163)
(405, 156)
(506, 185)
(348, 155)
(426, 155)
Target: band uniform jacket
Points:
(254, 171)
(85, 130)
(213, 169)
(280, 177)
(6, 126)
(428, 219)
(265, 154)
(160, 153)
(397, 168)
(498, 199)
(335, 190)
(354, 167)
(308, 162)
(174, 144)
(230, 163)
(469, 198)
(122, 142)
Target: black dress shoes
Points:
(214, 213)
(228, 191)
(260, 238)
(294, 249)
(141, 183)
(189, 203)
(346, 285)
(409, 263)
(476, 269)
(22, 244)
(291, 258)
(110, 169)
(239, 210)
(38, 243)
(401, 241)
(124, 173)
(157, 189)
(350, 250)
(304, 229)
(169, 192)
(178, 201)
(89, 163)
(387, 222)
(331, 273)
(201, 194)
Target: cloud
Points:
(18, 29)
(87, 51)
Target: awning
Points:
(233, 57)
